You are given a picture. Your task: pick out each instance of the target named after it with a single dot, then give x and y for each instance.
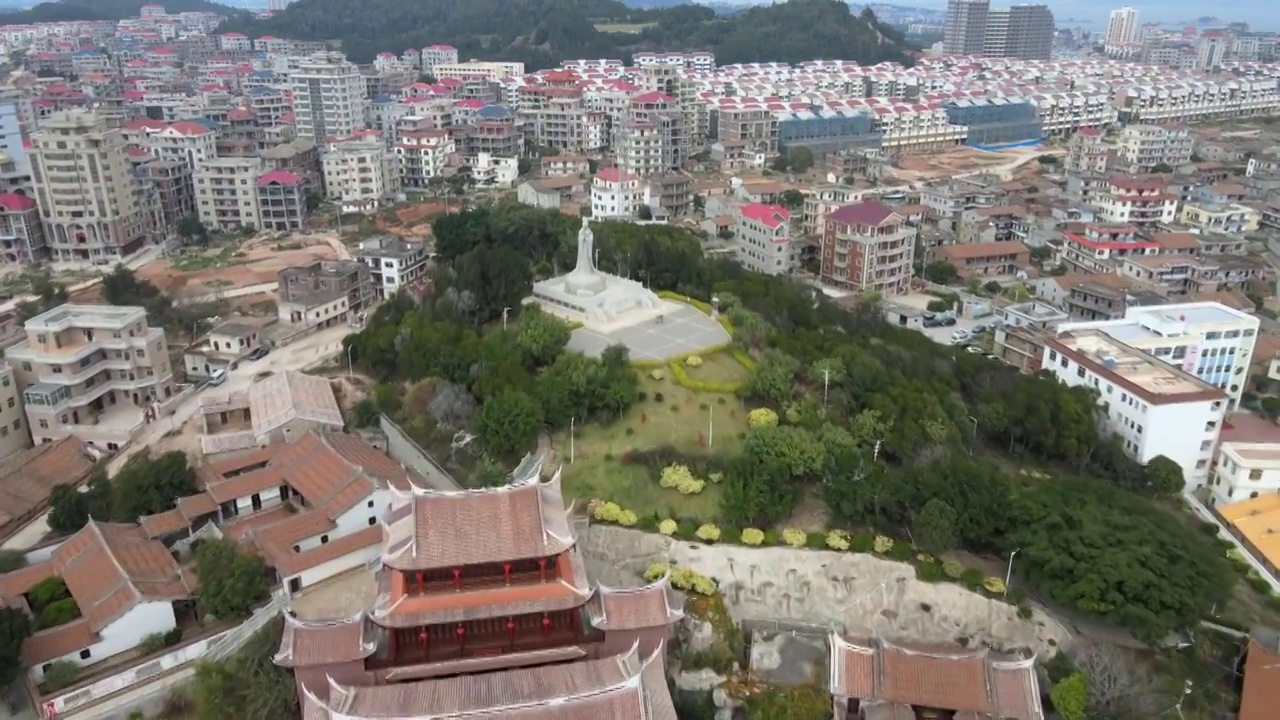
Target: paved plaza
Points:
(684, 330)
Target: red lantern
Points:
(511, 631)
(462, 636)
(457, 579)
(546, 623)
(506, 573)
(542, 569)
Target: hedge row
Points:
(928, 568)
(680, 376)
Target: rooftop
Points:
(109, 317)
(1258, 520)
(1142, 374)
(28, 477)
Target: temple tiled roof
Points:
(654, 605)
(623, 687)
(522, 519)
(972, 682)
(309, 643)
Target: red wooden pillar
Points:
(422, 584)
(511, 632)
(506, 573)
(542, 569)
(546, 624)
(457, 579)
(462, 638)
(425, 637)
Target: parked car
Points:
(960, 336)
(974, 349)
(979, 329)
(259, 352)
(218, 377)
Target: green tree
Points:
(191, 230)
(70, 509)
(757, 492)
(787, 446)
(61, 674)
(774, 379)
(792, 199)
(232, 582)
(800, 159)
(1164, 476)
(540, 336)
(508, 422)
(787, 703)
(1070, 697)
(941, 272)
(15, 627)
(644, 213)
(248, 685)
(934, 529)
(993, 287)
(145, 485)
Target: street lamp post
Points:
(505, 312)
(350, 373)
(711, 425)
(974, 440)
(1008, 574)
(572, 422)
(826, 385)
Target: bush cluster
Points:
(682, 578)
(693, 361)
(679, 477)
(883, 544)
(762, 417)
(611, 512)
(838, 540)
(668, 527)
(707, 533)
(794, 537)
(752, 536)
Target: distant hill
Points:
(69, 10)
(542, 33)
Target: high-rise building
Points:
(966, 27)
(1019, 31)
(1123, 27)
(86, 189)
(328, 97)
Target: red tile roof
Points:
(15, 202)
(868, 212)
(279, 177)
(942, 678)
(771, 216)
(1261, 695)
(652, 606)
(309, 643)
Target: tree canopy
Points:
(541, 33)
(231, 581)
(248, 685)
(143, 486)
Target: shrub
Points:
(608, 512)
(1259, 584)
(668, 527)
(953, 569)
(883, 544)
(627, 518)
(930, 572)
(61, 674)
(629, 431)
(972, 578)
(682, 579)
(692, 487)
(642, 396)
(901, 552)
(794, 537)
(715, 477)
(1025, 612)
(752, 536)
(925, 558)
(154, 642)
(679, 476)
(681, 377)
(1017, 595)
(657, 397)
(743, 359)
(838, 540)
(994, 585)
(762, 417)
(58, 613)
(657, 375)
(693, 361)
(47, 592)
(862, 542)
(707, 532)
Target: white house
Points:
(1244, 471)
(615, 193)
(1154, 408)
(393, 263)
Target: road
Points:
(296, 356)
(229, 293)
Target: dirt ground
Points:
(950, 162)
(413, 220)
(256, 261)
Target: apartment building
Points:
(1087, 152)
(1136, 201)
(654, 138)
(1143, 148)
(1020, 31)
(227, 192)
(1227, 218)
(756, 128)
(867, 246)
(1244, 471)
(423, 155)
(762, 234)
(478, 69)
(172, 188)
(13, 432)
(1099, 247)
(328, 97)
(360, 172)
(1019, 339)
(1206, 339)
(966, 27)
(186, 141)
(324, 293)
(95, 372)
(1153, 407)
(434, 56)
(282, 201)
(616, 193)
(819, 201)
(983, 259)
(21, 231)
(86, 190)
(394, 263)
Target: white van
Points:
(218, 377)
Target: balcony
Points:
(408, 650)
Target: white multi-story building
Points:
(762, 234)
(1244, 471)
(360, 172)
(1144, 147)
(328, 97)
(1122, 28)
(1207, 339)
(434, 55)
(1135, 201)
(476, 68)
(423, 155)
(186, 141)
(227, 192)
(1154, 408)
(615, 193)
(393, 263)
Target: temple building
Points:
(484, 610)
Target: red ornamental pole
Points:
(50, 711)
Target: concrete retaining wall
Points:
(866, 594)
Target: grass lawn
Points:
(192, 262)
(628, 28)
(685, 419)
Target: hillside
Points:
(69, 10)
(542, 33)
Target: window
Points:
(1247, 333)
(44, 424)
(324, 539)
(370, 503)
(1080, 371)
(11, 402)
(1255, 474)
(1231, 334)
(373, 521)
(1213, 335)
(26, 366)
(85, 654)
